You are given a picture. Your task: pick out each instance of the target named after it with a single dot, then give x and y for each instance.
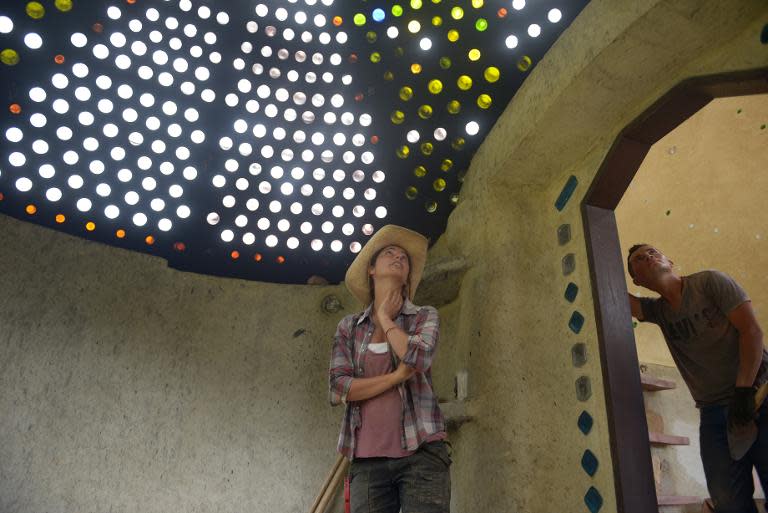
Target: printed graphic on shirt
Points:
(684, 329)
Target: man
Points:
(713, 335)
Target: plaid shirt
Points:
(421, 416)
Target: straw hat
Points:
(413, 243)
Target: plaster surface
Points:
(127, 386)
(523, 453)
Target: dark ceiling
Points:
(260, 140)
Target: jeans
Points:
(419, 483)
(730, 482)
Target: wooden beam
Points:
(630, 447)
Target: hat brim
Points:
(412, 242)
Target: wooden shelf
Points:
(653, 384)
(677, 500)
(663, 439)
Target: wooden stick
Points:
(327, 481)
(330, 492)
(333, 488)
(322, 503)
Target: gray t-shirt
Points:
(703, 342)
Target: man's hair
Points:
(629, 264)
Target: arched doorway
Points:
(630, 446)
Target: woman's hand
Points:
(390, 307)
(403, 372)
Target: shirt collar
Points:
(408, 309)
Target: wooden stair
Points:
(664, 439)
(658, 438)
(652, 384)
(678, 500)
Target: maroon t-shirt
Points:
(381, 429)
(380, 433)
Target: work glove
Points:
(742, 408)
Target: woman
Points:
(393, 430)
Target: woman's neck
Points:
(383, 287)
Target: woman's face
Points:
(392, 261)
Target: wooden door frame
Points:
(630, 448)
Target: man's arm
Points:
(750, 343)
(636, 307)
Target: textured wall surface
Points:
(524, 451)
(127, 386)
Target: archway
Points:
(630, 446)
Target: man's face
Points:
(648, 263)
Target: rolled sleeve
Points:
(342, 367)
(422, 343)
